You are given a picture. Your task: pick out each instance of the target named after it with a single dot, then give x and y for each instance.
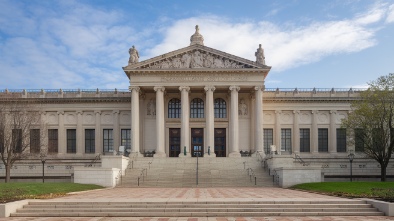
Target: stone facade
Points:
(195, 100)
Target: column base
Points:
(212, 155)
(183, 155)
(136, 154)
(160, 155)
(234, 154)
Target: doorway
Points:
(197, 142)
(220, 142)
(175, 142)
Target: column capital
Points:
(259, 88)
(159, 88)
(209, 88)
(131, 88)
(115, 112)
(60, 112)
(79, 112)
(42, 112)
(315, 112)
(234, 87)
(278, 112)
(296, 112)
(333, 112)
(186, 88)
(97, 112)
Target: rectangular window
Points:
(323, 139)
(341, 140)
(52, 141)
(108, 141)
(305, 140)
(268, 140)
(71, 140)
(90, 141)
(17, 140)
(126, 138)
(35, 141)
(286, 140)
(359, 137)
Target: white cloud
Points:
(390, 14)
(285, 47)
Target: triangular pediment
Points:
(195, 57)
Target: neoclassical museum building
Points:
(194, 101)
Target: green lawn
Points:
(377, 190)
(17, 191)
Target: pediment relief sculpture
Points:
(195, 59)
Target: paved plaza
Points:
(197, 194)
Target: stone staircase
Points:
(198, 209)
(182, 172)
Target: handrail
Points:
(300, 160)
(97, 158)
(275, 178)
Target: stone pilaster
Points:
(160, 141)
(62, 148)
(278, 132)
(185, 135)
(234, 128)
(135, 121)
(116, 130)
(98, 142)
(259, 140)
(314, 133)
(210, 122)
(332, 142)
(80, 134)
(296, 132)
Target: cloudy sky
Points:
(84, 44)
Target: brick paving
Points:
(196, 194)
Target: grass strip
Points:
(18, 191)
(376, 190)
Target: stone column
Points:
(332, 142)
(259, 140)
(296, 132)
(314, 133)
(210, 121)
(135, 121)
(80, 134)
(98, 140)
(160, 128)
(185, 135)
(116, 133)
(252, 121)
(61, 134)
(234, 129)
(44, 145)
(278, 132)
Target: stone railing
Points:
(312, 92)
(63, 93)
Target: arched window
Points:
(174, 108)
(220, 108)
(197, 108)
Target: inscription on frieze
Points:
(182, 77)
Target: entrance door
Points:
(175, 142)
(197, 142)
(220, 142)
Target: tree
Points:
(371, 121)
(20, 124)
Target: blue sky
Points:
(84, 44)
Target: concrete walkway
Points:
(198, 194)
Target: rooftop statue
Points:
(134, 56)
(260, 59)
(197, 38)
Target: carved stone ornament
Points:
(151, 107)
(242, 108)
(195, 59)
(260, 59)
